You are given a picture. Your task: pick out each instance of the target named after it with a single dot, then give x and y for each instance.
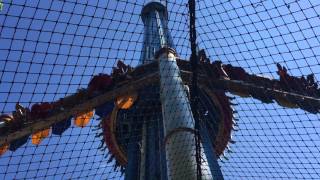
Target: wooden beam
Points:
(144, 75)
(41, 124)
(308, 103)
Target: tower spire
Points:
(156, 35)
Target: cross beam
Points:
(144, 75)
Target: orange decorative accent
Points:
(39, 136)
(126, 101)
(81, 120)
(3, 149)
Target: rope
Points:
(194, 87)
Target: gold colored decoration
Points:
(126, 101)
(39, 136)
(83, 119)
(3, 149)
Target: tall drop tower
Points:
(160, 141)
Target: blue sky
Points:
(49, 49)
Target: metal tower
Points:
(176, 123)
(156, 35)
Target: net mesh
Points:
(51, 49)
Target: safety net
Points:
(123, 89)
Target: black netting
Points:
(52, 49)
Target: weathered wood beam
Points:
(266, 94)
(90, 104)
(144, 75)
